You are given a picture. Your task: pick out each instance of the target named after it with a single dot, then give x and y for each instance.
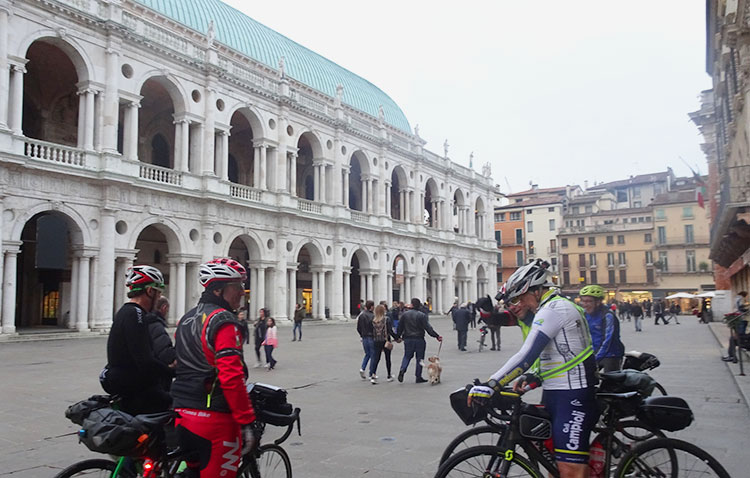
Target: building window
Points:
(621, 258)
(502, 217)
(649, 276)
(592, 260)
(593, 277)
(592, 241)
(575, 209)
(610, 240)
(500, 277)
(589, 209)
(564, 242)
(610, 258)
(647, 237)
(566, 277)
(660, 215)
(690, 259)
(500, 259)
(689, 237)
(497, 217)
(687, 212)
(499, 237)
(519, 236)
(553, 262)
(621, 239)
(649, 257)
(661, 234)
(663, 261)
(519, 258)
(611, 277)
(581, 241)
(565, 260)
(622, 195)
(553, 246)
(623, 276)
(551, 224)
(636, 204)
(515, 216)
(550, 209)
(531, 247)
(641, 219)
(636, 191)
(529, 226)
(582, 277)
(581, 260)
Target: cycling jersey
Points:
(605, 333)
(559, 337)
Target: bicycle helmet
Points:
(140, 277)
(221, 270)
(595, 291)
(534, 274)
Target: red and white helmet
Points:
(221, 270)
(140, 277)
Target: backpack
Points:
(380, 332)
(114, 432)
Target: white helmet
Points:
(533, 274)
(140, 277)
(221, 270)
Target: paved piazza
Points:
(350, 427)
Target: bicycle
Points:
(156, 461)
(491, 432)
(529, 428)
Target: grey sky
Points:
(553, 92)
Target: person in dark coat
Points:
(461, 319)
(161, 344)
(365, 331)
(411, 328)
(259, 335)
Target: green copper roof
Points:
(240, 32)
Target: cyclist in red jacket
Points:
(216, 416)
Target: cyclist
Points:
(604, 328)
(209, 393)
(559, 337)
(133, 372)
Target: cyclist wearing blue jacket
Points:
(604, 328)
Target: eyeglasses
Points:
(515, 300)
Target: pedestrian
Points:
(395, 312)
(259, 334)
(270, 342)
(703, 316)
(411, 328)
(382, 333)
(161, 344)
(637, 312)
(461, 318)
(299, 315)
(453, 307)
(742, 307)
(659, 312)
(674, 311)
(364, 329)
(473, 311)
(647, 305)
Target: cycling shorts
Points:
(215, 438)
(574, 414)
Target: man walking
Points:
(299, 315)
(461, 318)
(364, 328)
(412, 327)
(659, 312)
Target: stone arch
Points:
(308, 150)
(81, 234)
(399, 184)
(76, 52)
(481, 281)
(480, 217)
(307, 290)
(459, 210)
(171, 230)
(359, 171)
(252, 115)
(431, 208)
(315, 143)
(169, 82)
(314, 248)
(400, 267)
(245, 131)
(251, 241)
(162, 102)
(433, 291)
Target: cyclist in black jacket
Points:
(132, 370)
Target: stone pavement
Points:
(350, 427)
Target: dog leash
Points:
(440, 347)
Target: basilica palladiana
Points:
(170, 132)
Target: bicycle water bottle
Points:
(596, 459)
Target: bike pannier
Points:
(666, 413)
(78, 412)
(535, 423)
(114, 432)
(469, 415)
(270, 404)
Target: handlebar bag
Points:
(270, 403)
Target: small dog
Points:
(434, 369)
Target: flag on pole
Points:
(700, 190)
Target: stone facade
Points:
(127, 138)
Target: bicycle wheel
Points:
(671, 458)
(272, 462)
(483, 435)
(482, 461)
(92, 468)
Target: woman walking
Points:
(270, 342)
(382, 332)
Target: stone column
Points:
(9, 289)
(322, 287)
(368, 279)
(119, 296)
(172, 290)
(106, 270)
(261, 287)
(263, 167)
(111, 100)
(347, 294)
(401, 205)
(292, 291)
(323, 188)
(15, 105)
(130, 135)
(222, 155)
(88, 125)
(209, 133)
(181, 144)
(196, 161)
(406, 288)
(256, 167)
(362, 286)
(81, 117)
(82, 315)
(4, 71)
(293, 174)
(178, 302)
(388, 207)
(74, 275)
(345, 192)
(207, 245)
(315, 299)
(253, 293)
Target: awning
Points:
(681, 295)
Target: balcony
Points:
(510, 244)
(698, 241)
(600, 228)
(681, 269)
(727, 245)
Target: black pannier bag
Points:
(79, 411)
(642, 361)
(535, 422)
(270, 404)
(469, 415)
(114, 432)
(666, 413)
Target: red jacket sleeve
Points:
(232, 375)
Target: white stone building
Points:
(173, 132)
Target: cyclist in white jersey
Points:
(560, 339)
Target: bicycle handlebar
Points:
(290, 427)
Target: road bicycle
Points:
(157, 461)
(529, 429)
